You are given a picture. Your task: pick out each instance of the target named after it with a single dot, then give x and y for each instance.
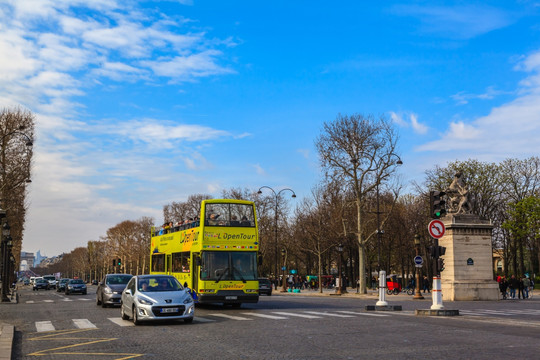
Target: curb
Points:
(6, 341)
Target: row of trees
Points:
(16, 151)
(358, 203)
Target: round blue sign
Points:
(418, 260)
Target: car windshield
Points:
(76, 282)
(118, 279)
(159, 283)
(41, 280)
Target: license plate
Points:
(231, 297)
(169, 310)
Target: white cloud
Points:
(417, 127)
(463, 97)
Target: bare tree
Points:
(361, 152)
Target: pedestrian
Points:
(520, 288)
(503, 286)
(426, 284)
(526, 285)
(513, 284)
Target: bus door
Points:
(195, 273)
(168, 264)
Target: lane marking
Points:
(202, 320)
(83, 324)
(328, 314)
(230, 317)
(362, 313)
(120, 322)
(48, 301)
(273, 317)
(30, 302)
(305, 316)
(43, 326)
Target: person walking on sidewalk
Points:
(513, 284)
(426, 284)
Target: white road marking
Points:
(119, 321)
(266, 316)
(327, 314)
(42, 326)
(230, 317)
(83, 324)
(361, 313)
(297, 315)
(30, 302)
(203, 320)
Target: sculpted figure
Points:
(458, 195)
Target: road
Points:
(51, 325)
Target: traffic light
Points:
(442, 250)
(113, 262)
(436, 251)
(436, 203)
(440, 264)
(119, 262)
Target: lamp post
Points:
(340, 251)
(6, 247)
(276, 197)
(382, 273)
(417, 295)
(284, 287)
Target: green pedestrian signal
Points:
(437, 204)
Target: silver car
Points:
(156, 297)
(109, 291)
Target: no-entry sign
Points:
(436, 229)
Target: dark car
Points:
(265, 286)
(61, 286)
(40, 283)
(109, 290)
(75, 286)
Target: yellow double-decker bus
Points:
(216, 254)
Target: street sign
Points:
(436, 229)
(418, 261)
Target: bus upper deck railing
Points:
(194, 224)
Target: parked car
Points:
(26, 282)
(265, 286)
(61, 285)
(109, 291)
(95, 282)
(52, 281)
(40, 283)
(156, 297)
(75, 286)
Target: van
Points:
(32, 278)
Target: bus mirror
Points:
(198, 261)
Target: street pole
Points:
(382, 274)
(284, 287)
(417, 294)
(340, 251)
(437, 294)
(5, 270)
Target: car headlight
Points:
(144, 301)
(188, 300)
(107, 290)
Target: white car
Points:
(51, 279)
(156, 297)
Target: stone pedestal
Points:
(468, 273)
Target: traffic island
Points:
(430, 312)
(383, 308)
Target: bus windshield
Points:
(229, 214)
(228, 265)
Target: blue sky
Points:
(141, 103)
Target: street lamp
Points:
(340, 251)
(276, 196)
(382, 273)
(417, 295)
(284, 287)
(6, 247)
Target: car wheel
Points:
(124, 315)
(84, 293)
(269, 294)
(188, 320)
(136, 320)
(236, 305)
(103, 305)
(98, 302)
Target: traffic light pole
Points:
(436, 291)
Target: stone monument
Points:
(468, 273)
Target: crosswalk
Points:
(47, 326)
(59, 300)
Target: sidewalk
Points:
(6, 333)
(351, 292)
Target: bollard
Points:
(382, 289)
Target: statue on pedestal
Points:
(458, 195)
